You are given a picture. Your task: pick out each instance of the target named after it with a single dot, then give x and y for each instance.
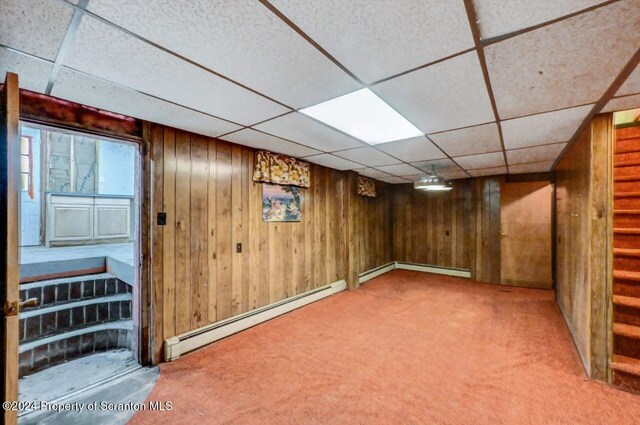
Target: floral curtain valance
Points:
(366, 187)
(280, 169)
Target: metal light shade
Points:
(433, 183)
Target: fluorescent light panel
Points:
(364, 116)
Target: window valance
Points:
(366, 187)
(275, 168)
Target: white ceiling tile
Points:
(499, 17)
(493, 171)
(569, 63)
(367, 156)
(377, 39)
(417, 149)
(395, 180)
(535, 154)
(453, 175)
(399, 169)
(81, 88)
(331, 161)
(631, 84)
(444, 96)
(622, 103)
(372, 172)
(34, 26)
(302, 129)
(469, 141)
(533, 167)
(438, 164)
(413, 177)
(259, 140)
(33, 74)
(543, 129)
(240, 39)
(102, 51)
(485, 160)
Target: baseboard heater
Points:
(179, 345)
(378, 271)
(449, 271)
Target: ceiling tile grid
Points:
(372, 173)
(417, 149)
(492, 171)
(532, 167)
(543, 129)
(76, 87)
(99, 49)
(378, 39)
(259, 140)
(471, 140)
(499, 17)
(333, 161)
(243, 39)
(33, 73)
(399, 169)
(34, 26)
(309, 132)
(370, 157)
(439, 165)
(569, 63)
(622, 103)
(445, 96)
(485, 160)
(631, 84)
(535, 154)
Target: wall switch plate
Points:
(162, 219)
(446, 233)
(238, 247)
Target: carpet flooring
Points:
(404, 348)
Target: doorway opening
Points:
(79, 260)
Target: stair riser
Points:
(626, 346)
(67, 349)
(56, 293)
(626, 221)
(65, 320)
(626, 381)
(626, 157)
(632, 186)
(625, 314)
(630, 264)
(624, 203)
(627, 145)
(632, 170)
(627, 289)
(621, 240)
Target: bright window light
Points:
(365, 116)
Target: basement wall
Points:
(459, 228)
(583, 248)
(205, 187)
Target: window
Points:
(26, 165)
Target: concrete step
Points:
(57, 348)
(63, 317)
(55, 291)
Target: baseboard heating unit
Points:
(179, 345)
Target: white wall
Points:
(116, 168)
(30, 208)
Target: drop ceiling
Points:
(497, 87)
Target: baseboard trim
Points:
(378, 271)
(433, 269)
(179, 345)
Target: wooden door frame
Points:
(9, 239)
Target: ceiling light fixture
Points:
(433, 183)
(363, 115)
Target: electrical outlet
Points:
(238, 247)
(162, 219)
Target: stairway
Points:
(74, 317)
(625, 364)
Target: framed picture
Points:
(281, 203)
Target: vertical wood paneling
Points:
(169, 233)
(198, 232)
(205, 186)
(183, 232)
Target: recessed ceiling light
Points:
(364, 116)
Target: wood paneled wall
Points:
(460, 228)
(205, 187)
(583, 221)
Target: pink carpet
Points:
(405, 348)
